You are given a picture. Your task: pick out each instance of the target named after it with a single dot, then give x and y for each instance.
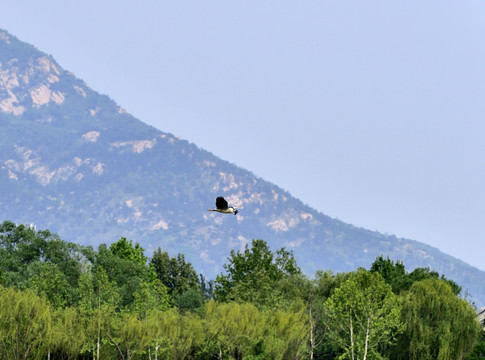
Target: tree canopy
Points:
(257, 275)
(61, 300)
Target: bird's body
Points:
(223, 208)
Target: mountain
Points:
(74, 162)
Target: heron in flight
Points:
(222, 207)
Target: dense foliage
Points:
(60, 300)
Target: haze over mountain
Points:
(74, 162)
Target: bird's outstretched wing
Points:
(221, 203)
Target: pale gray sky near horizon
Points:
(370, 112)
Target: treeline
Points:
(59, 300)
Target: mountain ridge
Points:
(75, 162)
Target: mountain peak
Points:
(26, 77)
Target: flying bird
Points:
(222, 207)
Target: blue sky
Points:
(371, 112)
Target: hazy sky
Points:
(372, 112)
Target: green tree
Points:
(21, 246)
(25, 324)
(128, 334)
(324, 285)
(233, 328)
(286, 334)
(98, 298)
(68, 333)
(395, 274)
(20, 243)
(191, 300)
(440, 325)
(326, 282)
(206, 287)
(363, 314)
(126, 250)
(478, 351)
(419, 274)
(175, 334)
(127, 273)
(46, 280)
(66, 256)
(174, 272)
(150, 296)
(159, 344)
(257, 276)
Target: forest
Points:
(60, 300)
